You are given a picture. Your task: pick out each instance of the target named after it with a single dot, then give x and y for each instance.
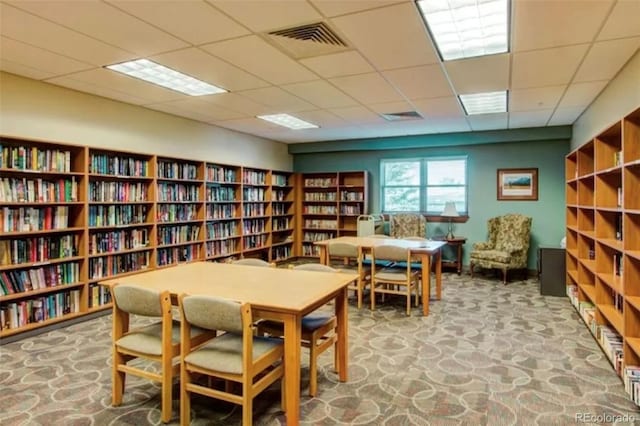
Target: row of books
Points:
(320, 182)
(321, 223)
(279, 209)
(281, 224)
(22, 157)
(116, 215)
(108, 266)
(116, 165)
(279, 180)
(176, 212)
(171, 255)
(14, 190)
(254, 194)
(221, 230)
(41, 249)
(279, 195)
(351, 196)
(281, 253)
(98, 295)
(24, 312)
(177, 234)
(350, 209)
(168, 192)
(254, 226)
(253, 177)
(255, 241)
(254, 209)
(221, 174)
(113, 241)
(631, 379)
(177, 170)
(220, 211)
(317, 236)
(221, 193)
(310, 250)
(28, 219)
(118, 192)
(320, 196)
(328, 210)
(19, 281)
(222, 247)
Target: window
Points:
(423, 184)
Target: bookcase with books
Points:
(603, 242)
(329, 204)
(223, 211)
(256, 213)
(180, 211)
(120, 218)
(282, 216)
(43, 266)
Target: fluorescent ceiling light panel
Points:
(484, 103)
(467, 28)
(152, 72)
(289, 121)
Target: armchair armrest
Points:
(482, 246)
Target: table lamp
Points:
(450, 212)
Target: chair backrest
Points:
(513, 230)
(317, 267)
(391, 252)
(213, 313)
(250, 261)
(408, 225)
(343, 250)
(138, 300)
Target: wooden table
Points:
(456, 243)
(274, 293)
(422, 249)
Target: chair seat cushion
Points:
(224, 353)
(414, 265)
(391, 274)
(148, 339)
(491, 255)
(310, 323)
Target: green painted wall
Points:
(548, 213)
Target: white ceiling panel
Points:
(107, 92)
(563, 116)
(261, 15)
(278, 99)
(367, 88)
(238, 103)
(171, 108)
(488, 121)
(390, 37)
(36, 58)
(321, 118)
(202, 65)
(206, 24)
(206, 109)
(338, 64)
(358, 115)
(427, 81)
(623, 21)
(536, 118)
(439, 107)
(105, 23)
(542, 24)
(535, 99)
(341, 7)
(452, 124)
(24, 27)
(605, 59)
(392, 107)
(265, 61)
(548, 67)
(483, 74)
(23, 70)
(581, 94)
(320, 93)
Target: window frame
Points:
(423, 185)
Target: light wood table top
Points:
(416, 246)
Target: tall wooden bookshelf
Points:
(71, 216)
(603, 240)
(329, 204)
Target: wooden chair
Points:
(318, 331)
(235, 356)
(394, 280)
(250, 261)
(349, 257)
(158, 342)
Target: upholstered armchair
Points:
(408, 225)
(507, 247)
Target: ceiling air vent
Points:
(405, 115)
(309, 40)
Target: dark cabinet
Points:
(551, 271)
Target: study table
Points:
(279, 294)
(424, 250)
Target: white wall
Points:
(619, 98)
(37, 110)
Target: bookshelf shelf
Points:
(605, 231)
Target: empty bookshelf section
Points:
(223, 211)
(256, 213)
(43, 269)
(282, 216)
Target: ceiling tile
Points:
(390, 37)
(563, 116)
(542, 24)
(477, 75)
(357, 115)
(320, 93)
(452, 124)
(264, 61)
(623, 21)
(104, 91)
(23, 70)
(105, 23)
(238, 103)
(202, 65)
(367, 88)
(24, 27)
(36, 58)
(548, 67)
(321, 118)
(537, 118)
(488, 121)
(277, 99)
(605, 59)
(391, 107)
(581, 94)
(205, 23)
(427, 81)
(439, 107)
(205, 109)
(172, 109)
(341, 7)
(338, 64)
(268, 15)
(534, 99)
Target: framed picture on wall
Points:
(518, 184)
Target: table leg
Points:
(343, 337)
(426, 282)
(324, 258)
(459, 258)
(292, 336)
(439, 275)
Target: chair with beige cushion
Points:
(158, 342)
(394, 280)
(404, 225)
(235, 356)
(318, 330)
(507, 247)
(250, 261)
(349, 257)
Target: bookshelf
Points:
(603, 242)
(329, 204)
(71, 216)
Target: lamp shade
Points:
(450, 210)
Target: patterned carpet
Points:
(487, 354)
